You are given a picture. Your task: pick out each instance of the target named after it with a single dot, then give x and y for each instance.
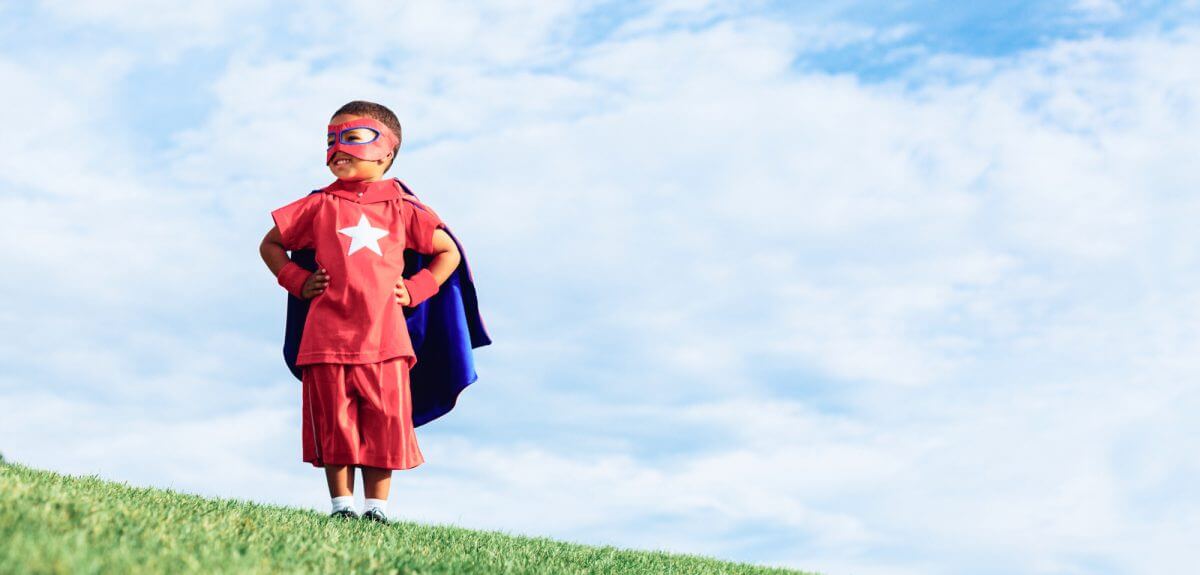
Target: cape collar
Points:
(365, 192)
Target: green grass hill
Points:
(55, 523)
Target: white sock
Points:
(343, 502)
(380, 503)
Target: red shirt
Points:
(360, 231)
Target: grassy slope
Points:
(54, 523)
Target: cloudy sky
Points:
(863, 287)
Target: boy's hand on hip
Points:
(315, 284)
(401, 292)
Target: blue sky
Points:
(857, 288)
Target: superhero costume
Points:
(444, 330)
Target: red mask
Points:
(364, 138)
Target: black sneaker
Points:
(344, 513)
(376, 514)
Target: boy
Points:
(355, 354)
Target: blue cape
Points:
(443, 329)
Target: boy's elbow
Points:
(271, 246)
(445, 246)
(267, 252)
(271, 241)
(266, 246)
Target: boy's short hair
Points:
(378, 112)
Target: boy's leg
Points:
(389, 440)
(341, 480)
(376, 482)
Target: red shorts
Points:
(359, 414)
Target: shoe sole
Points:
(375, 518)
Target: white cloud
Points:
(170, 29)
(499, 34)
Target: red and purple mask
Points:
(364, 138)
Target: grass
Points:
(55, 523)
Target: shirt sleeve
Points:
(295, 222)
(419, 226)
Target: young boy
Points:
(355, 352)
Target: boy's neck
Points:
(361, 185)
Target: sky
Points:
(857, 287)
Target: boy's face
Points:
(347, 167)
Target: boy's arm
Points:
(297, 280)
(445, 258)
(424, 284)
(272, 251)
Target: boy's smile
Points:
(347, 167)
(342, 160)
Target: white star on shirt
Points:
(364, 236)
